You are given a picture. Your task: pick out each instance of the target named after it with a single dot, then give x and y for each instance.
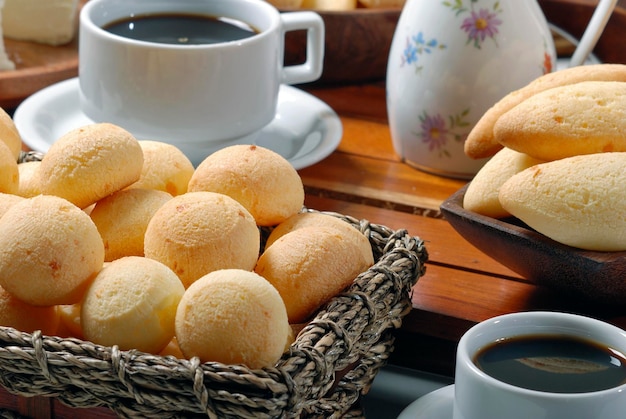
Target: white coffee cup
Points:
(477, 395)
(198, 97)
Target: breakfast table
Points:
(365, 178)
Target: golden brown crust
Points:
(577, 201)
(9, 134)
(580, 118)
(91, 162)
(481, 142)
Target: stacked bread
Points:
(123, 242)
(559, 157)
(336, 5)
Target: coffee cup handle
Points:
(311, 69)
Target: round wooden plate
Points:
(37, 66)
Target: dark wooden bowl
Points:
(356, 48)
(597, 276)
(358, 41)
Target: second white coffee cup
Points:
(478, 395)
(198, 97)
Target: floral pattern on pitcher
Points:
(435, 132)
(417, 45)
(479, 25)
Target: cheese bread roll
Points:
(481, 141)
(89, 163)
(481, 195)
(29, 179)
(577, 201)
(582, 118)
(49, 250)
(234, 317)
(9, 172)
(132, 303)
(261, 180)
(310, 265)
(200, 232)
(9, 134)
(122, 219)
(165, 168)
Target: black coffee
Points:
(553, 364)
(181, 29)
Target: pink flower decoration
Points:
(480, 26)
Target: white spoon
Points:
(594, 29)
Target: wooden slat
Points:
(445, 246)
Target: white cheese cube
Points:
(50, 22)
(5, 63)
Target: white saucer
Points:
(435, 405)
(304, 131)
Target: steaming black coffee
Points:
(181, 29)
(553, 364)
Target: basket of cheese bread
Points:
(550, 203)
(132, 280)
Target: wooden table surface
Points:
(366, 179)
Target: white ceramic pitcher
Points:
(450, 61)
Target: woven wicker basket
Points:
(332, 362)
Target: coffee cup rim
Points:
(87, 21)
(570, 322)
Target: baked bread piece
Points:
(481, 142)
(132, 303)
(9, 134)
(481, 196)
(49, 250)
(7, 200)
(201, 232)
(25, 317)
(29, 179)
(165, 168)
(234, 317)
(122, 219)
(285, 4)
(9, 172)
(88, 163)
(577, 201)
(318, 219)
(581, 118)
(308, 266)
(261, 180)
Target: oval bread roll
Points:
(481, 195)
(310, 265)
(317, 219)
(582, 118)
(89, 163)
(577, 201)
(481, 141)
